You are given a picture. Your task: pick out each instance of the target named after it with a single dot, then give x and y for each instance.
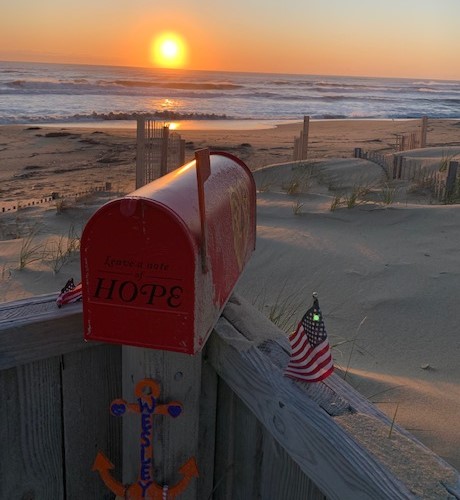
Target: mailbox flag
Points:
(311, 359)
(70, 293)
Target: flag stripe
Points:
(319, 364)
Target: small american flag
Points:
(311, 359)
(70, 293)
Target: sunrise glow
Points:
(168, 50)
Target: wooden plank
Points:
(207, 429)
(423, 131)
(35, 329)
(248, 454)
(451, 180)
(304, 138)
(164, 151)
(321, 448)
(91, 380)
(140, 154)
(282, 477)
(295, 156)
(176, 440)
(238, 452)
(321, 445)
(31, 451)
(225, 438)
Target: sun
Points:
(169, 50)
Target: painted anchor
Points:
(147, 392)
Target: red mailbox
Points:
(159, 264)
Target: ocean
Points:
(80, 94)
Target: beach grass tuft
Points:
(298, 183)
(30, 250)
(59, 251)
(388, 193)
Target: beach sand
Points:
(387, 274)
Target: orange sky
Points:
(405, 38)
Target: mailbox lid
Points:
(179, 192)
(138, 270)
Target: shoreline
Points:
(208, 125)
(36, 161)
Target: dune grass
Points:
(60, 250)
(30, 251)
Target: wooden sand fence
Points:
(14, 206)
(384, 160)
(404, 142)
(413, 140)
(301, 142)
(159, 150)
(444, 184)
(254, 433)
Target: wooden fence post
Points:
(164, 151)
(451, 179)
(423, 132)
(304, 138)
(296, 149)
(403, 143)
(182, 151)
(175, 439)
(400, 166)
(140, 156)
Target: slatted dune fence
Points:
(14, 206)
(444, 184)
(301, 142)
(403, 142)
(261, 435)
(159, 150)
(413, 140)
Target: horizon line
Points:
(230, 71)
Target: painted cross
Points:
(147, 392)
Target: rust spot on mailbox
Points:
(156, 273)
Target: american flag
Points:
(70, 293)
(311, 359)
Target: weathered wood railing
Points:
(260, 434)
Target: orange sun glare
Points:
(168, 50)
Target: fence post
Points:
(296, 149)
(140, 156)
(423, 132)
(164, 151)
(451, 179)
(175, 440)
(304, 136)
(182, 151)
(403, 143)
(400, 166)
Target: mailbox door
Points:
(138, 267)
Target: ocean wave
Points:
(177, 85)
(112, 116)
(163, 115)
(115, 87)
